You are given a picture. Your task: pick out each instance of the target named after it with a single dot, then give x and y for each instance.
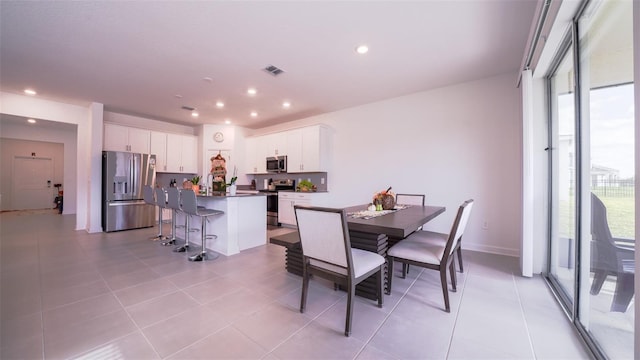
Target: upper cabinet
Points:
(275, 144)
(174, 153)
(308, 149)
(124, 138)
(182, 155)
(159, 149)
(256, 158)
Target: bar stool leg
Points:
(185, 246)
(203, 254)
(172, 240)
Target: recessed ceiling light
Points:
(207, 79)
(195, 114)
(178, 96)
(227, 121)
(219, 104)
(30, 92)
(362, 49)
(286, 104)
(31, 121)
(254, 114)
(252, 91)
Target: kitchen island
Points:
(242, 226)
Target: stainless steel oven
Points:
(272, 198)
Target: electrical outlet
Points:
(322, 181)
(485, 225)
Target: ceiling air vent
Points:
(273, 70)
(188, 108)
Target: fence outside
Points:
(614, 188)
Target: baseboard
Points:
(491, 249)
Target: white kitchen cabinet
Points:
(181, 154)
(275, 144)
(124, 138)
(287, 200)
(308, 149)
(256, 158)
(158, 147)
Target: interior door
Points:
(32, 183)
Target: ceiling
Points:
(151, 58)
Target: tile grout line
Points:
(389, 314)
(457, 315)
(524, 318)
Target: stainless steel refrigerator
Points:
(123, 176)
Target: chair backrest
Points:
(410, 199)
(324, 235)
(603, 248)
(459, 225)
(147, 195)
(173, 198)
(161, 198)
(189, 202)
(599, 224)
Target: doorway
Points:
(32, 183)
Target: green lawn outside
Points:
(620, 215)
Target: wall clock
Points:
(218, 137)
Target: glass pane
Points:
(563, 215)
(606, 63)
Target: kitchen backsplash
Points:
(319, 179)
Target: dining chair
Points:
(432, 250)
(611, 256)
(410, 199)
(419, 199)
(327, 253)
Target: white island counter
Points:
(242, 226)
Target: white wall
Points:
(452, 144)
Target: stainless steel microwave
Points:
(277, 164)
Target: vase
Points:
(232, 190)
(196, 189)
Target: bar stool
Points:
(175, 204)
(190, 207)
(162, 202)
(149, 198)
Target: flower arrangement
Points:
(385, 199)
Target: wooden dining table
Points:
(375, 234)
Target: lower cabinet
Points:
(287, 200)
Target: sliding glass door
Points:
(607, 101)
(592, 193)
(563, 165)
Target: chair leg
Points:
(389, 275)
(405, 270)
(352, 290)
(598, 279)
(454, 279)
(460, 258)
(380, 279)
(445, 291)
(305, 288)
(623, 293)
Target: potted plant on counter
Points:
(196, 184)
(232, 184)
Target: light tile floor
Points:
(69, 294)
